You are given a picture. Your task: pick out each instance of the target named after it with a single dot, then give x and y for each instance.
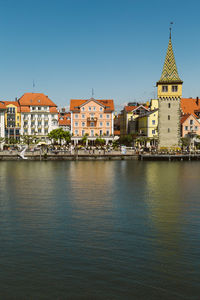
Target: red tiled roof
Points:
(53, 109)
(25, 109)
(15, 103)
(64, 119)
(2, 105)
(35, 99)
(190, 105)
(76, 103)
(131, 108)
(184, 118)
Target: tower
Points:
(169, 91)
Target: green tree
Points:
(59, 134)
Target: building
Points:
(12, 120)
(169, 90)
(93, 118)
(190, 125)
(148, 122)
(129, 115)
(39, 115)
(190, 106)
(2, 119)
(64, 120)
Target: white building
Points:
(39, 115)
(2, 119)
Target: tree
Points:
(100, 141)
(27, 139)
(59, 134)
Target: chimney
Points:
(197, 100)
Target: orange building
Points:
(92, 117)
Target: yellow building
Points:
(148, 122)
(12, 119)
(128, 118)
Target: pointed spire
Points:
(170, 72)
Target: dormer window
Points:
(164, 88)
(101, 108)
(174, 88)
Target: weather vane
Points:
(170, 29)
(92, 92)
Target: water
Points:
(100, 230)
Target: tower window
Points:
(169, 105)
(168, 117)
(165, 88)
(168, 130)
(174, 88)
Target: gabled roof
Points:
(64, 120)
(132, 108)
(35, 99)
(75, 104)
(190, 105)
(185, 117)
(170, 72)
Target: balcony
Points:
(92, 119)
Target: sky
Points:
(116, 47)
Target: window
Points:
(92, 132)
(169, 105)
(100, 132)
(100, 116)
(164, 88)
(186, 127)
(32, 131)
(191, 122)
(83, 132)
(76, 124)
(33, 108)
(101, 109)
(168, 130)
(17, 118)
(191, 127)
(83, 124)
(101, 124)
(174, 88)
(196, 127)
(92, 115)
(94, 108)
(153, 122)
(90, 108)
(45, 107)
(108, 116)
(76, 116)
(107, 132)
(46, 131)
(45, 124)
(25, 130)
(153, 131)
(39, 123)
(39, 130)
(76, 132)
(91, 124)
(168, 117)
(83, 116)
(107, 124)
(39, 108)
(83, 109)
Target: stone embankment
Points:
(78, 155)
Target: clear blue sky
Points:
(116, 47)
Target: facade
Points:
(39, 115)
(148, 122)
(92, 118)
(129, 115)
(169, 90)
(2, 119)
(12, 119)
(64, 120)
(190, 125)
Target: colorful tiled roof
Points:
(36, 99)
(15, 103)
(132, 108)
(76, 103)
(64, 120)
(184, 118)
(170, 72)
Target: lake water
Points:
(100, 230)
